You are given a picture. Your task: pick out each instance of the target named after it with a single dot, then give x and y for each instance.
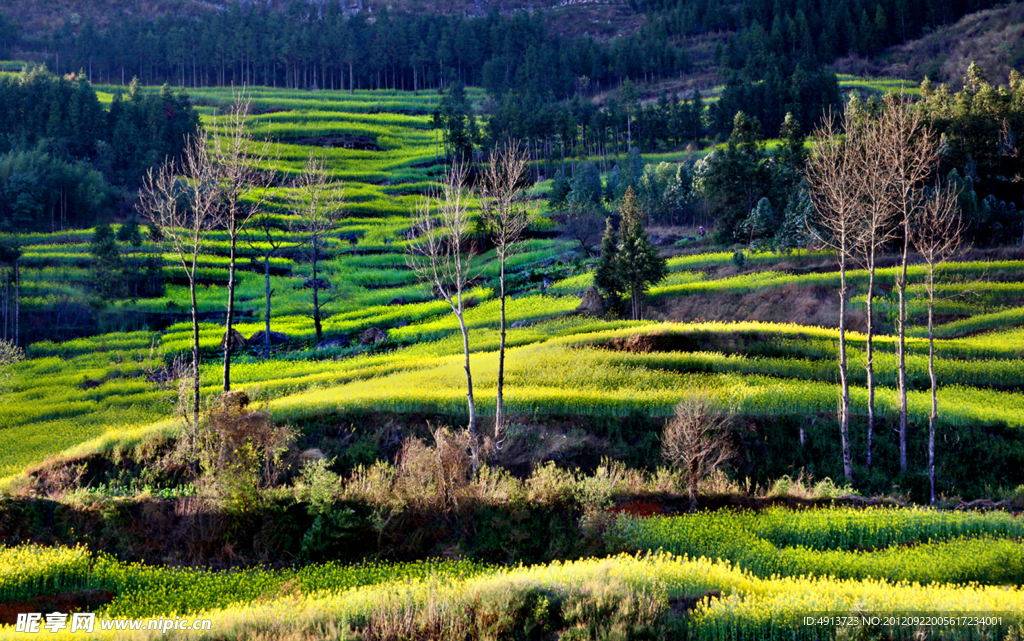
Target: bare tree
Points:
(264, 236)
(509, 213)
(322, 202)
(876, 188)
(184, 210)
(585, 228)
(936, 234)
(696, 440)
(910, 152)
(237, 158)
(443, 257)
(835, 188)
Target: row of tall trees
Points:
(874, 187)
(977, 129)
(319, 44)
(445, 254)
(579, 128)
(757, 196)
(216, 184)
(734, 185)
(753, 190)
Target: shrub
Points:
(241, 451)
(9, 355)
(696, 441)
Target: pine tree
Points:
(585, 196)
(611, 185)
(793, 232)
(607, 277)
(107, 265)
(129, 233)
(560, 188)
(640, 266)
(792, 153)
(758, 226)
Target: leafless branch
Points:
(319, 212)
(509, 213)
(696, 440)
(443, 257)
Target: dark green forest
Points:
(541, 89)
(63, 157)
(319, 44)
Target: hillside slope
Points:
(598, 18)
(993, 38)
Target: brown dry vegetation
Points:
(994, 39)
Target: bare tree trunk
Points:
(506, 211)
(316, 296)
(901, 343)
(236, 171)
(195, 349)
(499, 414)
(869, 361)
(471, 427)
(316, 314)
(844, 382)
(445, 260)
(266, 318)
(910, 154)
(229, 322)
(936, 237)
(934, 384)
(320, 214)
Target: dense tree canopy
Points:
(62, 149)
(766, 31)
(317, 44)
(322, 44)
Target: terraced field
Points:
(731, 573)
(81, 389)
(775, 570)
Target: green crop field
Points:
(746, 603)
(93, 433)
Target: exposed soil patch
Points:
(344, 141)
(791, 303)
(686, 604)
(647, 343)
(639, 507)
(748, 342)
(66, 602)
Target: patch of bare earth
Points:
(814, 306)
(65, 602)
